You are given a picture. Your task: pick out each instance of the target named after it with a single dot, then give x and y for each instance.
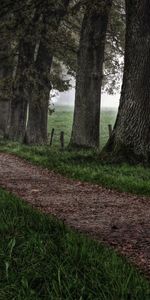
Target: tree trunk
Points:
(4, 109)
(21, 80)
(17, 122)
(86, 123)
(6, 71)
(39, 99)
(37, 126)
(19, 100)
(130, 140)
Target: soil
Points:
(117, 219)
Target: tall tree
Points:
(39, 22)
(5, 74)
(6, 69)
(85, 131)
(26, 24)
(40, 91)
(130, 139)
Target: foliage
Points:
(18, 16)
(115, 43)
(69, 35)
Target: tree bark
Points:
(130, 139)
(86, 123)
(6, 71)
(37, 124)
(21, 81)
(17, 121)
(39, 100)
(4, 109)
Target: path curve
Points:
(117, 219)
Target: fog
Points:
(67, 98)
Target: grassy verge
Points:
(40, 258)
(86, 166)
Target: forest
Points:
(74, 182)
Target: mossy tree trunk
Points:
(130, 140)
(86, 123)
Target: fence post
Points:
(110, 129)
(51, 138)
(62, 140)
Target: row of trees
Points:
(48, 34)
(26, 84)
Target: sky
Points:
(67, 98)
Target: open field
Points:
(40, 258)
(61, 120)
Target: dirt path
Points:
(121, 220)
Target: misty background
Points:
(68, 98)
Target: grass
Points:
(61, 120)
(86, 166)
(83, 165)
(40, 258)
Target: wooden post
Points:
(51, 138)
(110, 129)
(62, 140)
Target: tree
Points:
(114, 49)
(85, 131)
(40, 91)
(24, 23)
(5, 74)
(39, 23)
(130, 139)
(35, 42)
(6, 69)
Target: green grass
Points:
(86, 166)
(83, 165)
(61, 120)
(40, 258)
